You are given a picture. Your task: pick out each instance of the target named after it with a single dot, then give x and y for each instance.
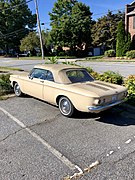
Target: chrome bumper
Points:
(101, 108)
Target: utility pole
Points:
(39, 29)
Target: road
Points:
(124, 68)
(37, 142)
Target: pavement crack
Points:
(48, 120)
(124, 157)
(11, 134)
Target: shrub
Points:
(110, 53)
(130, 84)
(111, 77)
(108, 76)
(94, 57)
(89, 69)
(94, 74)
(61, 53)
(53, 60)
(123, 43)
(5, 86)
(130, 54)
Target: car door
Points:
(49, 88)
(35, 83)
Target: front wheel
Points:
(17, 90)
(66, 107)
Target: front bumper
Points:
(97, 109)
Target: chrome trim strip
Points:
(101, 108)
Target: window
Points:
(79, 76)
(37, 73)
(49, 76)
(41, 74)
(133, 22)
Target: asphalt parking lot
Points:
(38, 143)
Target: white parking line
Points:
(55, 152)
(128, 141)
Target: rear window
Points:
(79, 76)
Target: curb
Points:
(4, 97)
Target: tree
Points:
(123, 41)
(104, 30)
(71, 24)
(16, 21)
(47, 42)
(30, 43)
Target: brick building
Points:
(130, 20)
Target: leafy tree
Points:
(123, 41)
(30, 42)
(16, 21)
(71, 24)
(104, 30)
(47, 42)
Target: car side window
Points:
(42, 74)
(49, 76)
(38, 73)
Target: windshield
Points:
(79, 75)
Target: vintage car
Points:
(68, 87)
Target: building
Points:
(130, 20)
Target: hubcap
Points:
(17, 89)
(65, 106)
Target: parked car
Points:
(68, 87)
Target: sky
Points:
(97, 7)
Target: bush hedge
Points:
(110, 53)
(108, 76)
(5, 86)
(130, 54)
(130, 84)
(111, 77)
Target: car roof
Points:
(58, 70)
(55, 67)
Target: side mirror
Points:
(30, 77)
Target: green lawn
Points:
(107, 59)
(46, 57)
(4, 69)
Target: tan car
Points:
(68, 87)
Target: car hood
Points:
(98, 88)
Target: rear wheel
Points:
(66, 107)
(17, 90)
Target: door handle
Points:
(42, 81)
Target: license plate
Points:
(114, 98)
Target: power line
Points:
(129, 7)
(9, 34)
(12, 33)
(97, 14)
(107, 12)
(5, 9)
